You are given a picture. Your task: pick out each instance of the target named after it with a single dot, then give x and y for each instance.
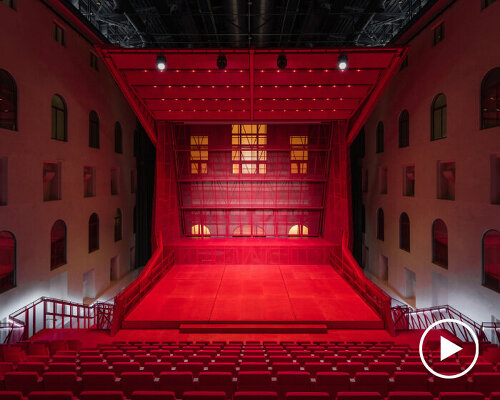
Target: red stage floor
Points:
(249, 293)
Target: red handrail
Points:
(343, 261)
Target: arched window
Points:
(298, 230)
(59, 118)
(490, 99)
(58, 244)
(491, 260)
(440, 243)
(438, 117)
(93, 130)
(200, 230)
(118, 225)
(93, 232)
(404, 232)
(404, 129)
(248, 230)
(7, 261)
(118, 138)
(380, 137)
(380, 224)
(8, 101)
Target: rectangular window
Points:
(446, 180)
(115, 181)
(409, 180)
(486, 3)
(299, 155)
(51, 181)
(495, 179)
(438, 34)
(199, 154)
(58, 34)
(133, 181)
(249, 155)
(364, 180)
(94, 61)
(89, 181)
(383, 180)
(3, 181)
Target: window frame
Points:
(404, 240)
(58, 34)
(380, 224)
(118, 225)
(14, 263)
(438, 33)
(495, 74)
(483, 259)
(379, 138)
(118, 138)
(443, 111)
(404, 129)
(9, 79)
(54, 265)
(93, 233)
(56, 113)
(94, 130)
(435, 257)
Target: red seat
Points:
(256, 359)
(98, 381)
(254, 381)
(285, 366)
(63, 359)
(131, 381)
(62, 367)
(332, 382)
(410, 396)
(253, 366)
(204, 396)
(413, 367)
(176, 381)
(194, 367)
(485, 382)
(38, 349)
(94, 367)
(101, 395)
(222, 367)
(216, 381)
(13, 354)
(350, 368)
(121, 367)
(255, 396)
(157, 367)
(372, 382)
(152, 395)
(388, 367)
(91, 359)
(482, 367)
(5, 367)
(334, 360)
(10, 395)
(494, 395)
(200, 359)
(66, 381)
(449, 385)
(24, 382)
(117, 359)
(394, 359)
(314, 367)
(226, 359)
(363, 359)
(143, 359)
(293, 381)
(307, 396)
(304, 359)
(51, 395)
(461, 396)
(447, 368)
(37, 367)
(410, 381)
(358, 396)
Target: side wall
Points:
(41, 68)
(455, 67)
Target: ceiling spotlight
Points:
(221, 61)
(281, 62)
(161, 62)
(342, 62)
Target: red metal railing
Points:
(157, 266)
(405, 318)
(345, 264)
(49, 313)
(494, 327)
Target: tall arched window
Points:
(438, 117)
(93, 130)
(380, 137)
(7, 261)
(8, 101)
(93, 232)
(59, 118)
(118, 138)
(491, 260)
(118, 225)
(404, 232)
(490, 99)
(58, 244)
(200, 230)
(404, 129)
(440, 243)
(380, 224)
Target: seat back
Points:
(66, 381)
(51, 395)
(176, 381)
(131, 381)
(101, 395)
(216, 381)
(254, 381)
(152, 395)
(372, 382)
(410, 396)
(204, 395)
(255, 396)
(98, 381)
(24, 382)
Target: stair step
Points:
(252, 328)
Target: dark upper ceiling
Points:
(250, 23)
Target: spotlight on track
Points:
(281, 62)
(161, 63)
(221, 61)
(342, 62)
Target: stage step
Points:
(253, 328)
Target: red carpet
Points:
(252, 293)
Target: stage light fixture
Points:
(161, 62)
(342, 62)
(281, 62)
(221, 61)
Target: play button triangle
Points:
(448, 348)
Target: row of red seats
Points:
(179, 382)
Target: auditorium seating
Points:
(236, 370)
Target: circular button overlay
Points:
(450, 321)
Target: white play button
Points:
(448, 348)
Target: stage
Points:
(257, 295)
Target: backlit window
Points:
(299, 154)
(249, 155)
(199, 154)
